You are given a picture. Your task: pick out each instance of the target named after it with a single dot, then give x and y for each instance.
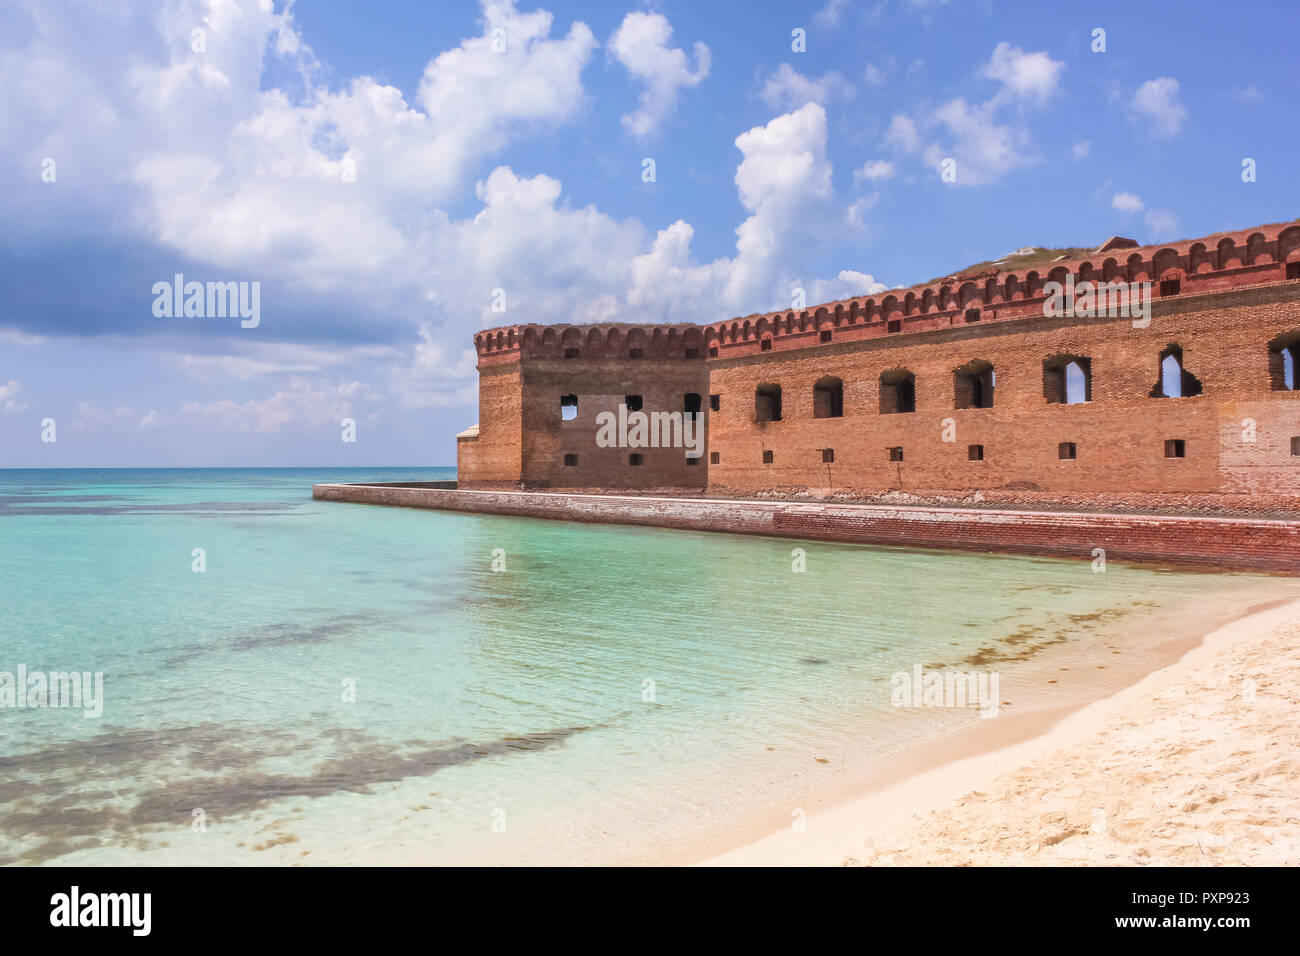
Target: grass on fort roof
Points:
(1013, 262)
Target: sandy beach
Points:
(1198, 764)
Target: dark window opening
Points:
(894, 325)
(692, 404)
(1293, 270)
(633, 402)
(828, 456)
(765, 345)
(570, 461)
(1176, 448)
(897, 392)
(973, 385)
(896, 453)
(692, 461)
(568, 407)
(1067, 451)
(715, 402)
(767, 458)
(715, 457)
(1067, 380)
(571, 353)
(1282, 354)
(636, 353)
(692, 353)
(635, 458)
(825, 336)
(1295, 445)
(1175, 380)
(975, 453)
(972, 315)
(828, 397)
(767, 403)
(1170, 286)
(713, 353)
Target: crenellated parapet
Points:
(1214, 263)
(610, 341)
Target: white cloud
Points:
(641, 45)
(970, 133)
(1126, 202)
(302, 404)
(1156, 103)
(873, 75)
(1162, 223)
(93, 417)
(845, 286)
(874, 170)
(9, 396)
(1025, 76)
(788, 89)
(1081, 149)
(831, 14)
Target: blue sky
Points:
(380, 169)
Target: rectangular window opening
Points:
(692, 353)
(975, 453)
(896, 453)
(1293, 270)
(894, 325)
(715, 402)
(767, 458)
(1176, 448)
(636, 353)
(765, 345)
(568, 407)
(633, 402)
(1170, 286)
(713, 353)
(715, 457)
(972, 315)
(570, 461)
(828, 456)
(1067, 451)
(572, 353)
(635, 458)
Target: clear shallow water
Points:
(482, 699)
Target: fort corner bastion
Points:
(988, 409)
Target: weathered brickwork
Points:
(954, 388)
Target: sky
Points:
(390, 178)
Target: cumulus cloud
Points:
(984, 147)
(1157, 106)
(302, 404)
(9, 396)
(787, 88)
(1126, 202)
(831, 14)
(874, 170)
(641, 45)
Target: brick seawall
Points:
(1215, 542)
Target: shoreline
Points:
(897, 815)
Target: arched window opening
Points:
(1067, 379)
(1175, 381)
(767, 403)
(897, 392)
(1282, 354)
(973, 385)
(828, 397)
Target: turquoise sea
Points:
(344, 683)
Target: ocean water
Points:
(345, 683)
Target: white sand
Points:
(1198, 764)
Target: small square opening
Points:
(765, 345)
(715, 402)
(633, 402)
(767, 458)
(975, 453)
(1293, 270)
(636, 353)
(692, 353)
(1295, 445)
(572, 353)
(715, 457)
(896, 453)
(825, 335)
(713, 353)
(692, 461)
(1067, 451)
(635, 458)
(570, 461)
(972, 315)
(1170, 286)
(894, 325)
(828, 456)
(1176, 448)
(568, 407)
